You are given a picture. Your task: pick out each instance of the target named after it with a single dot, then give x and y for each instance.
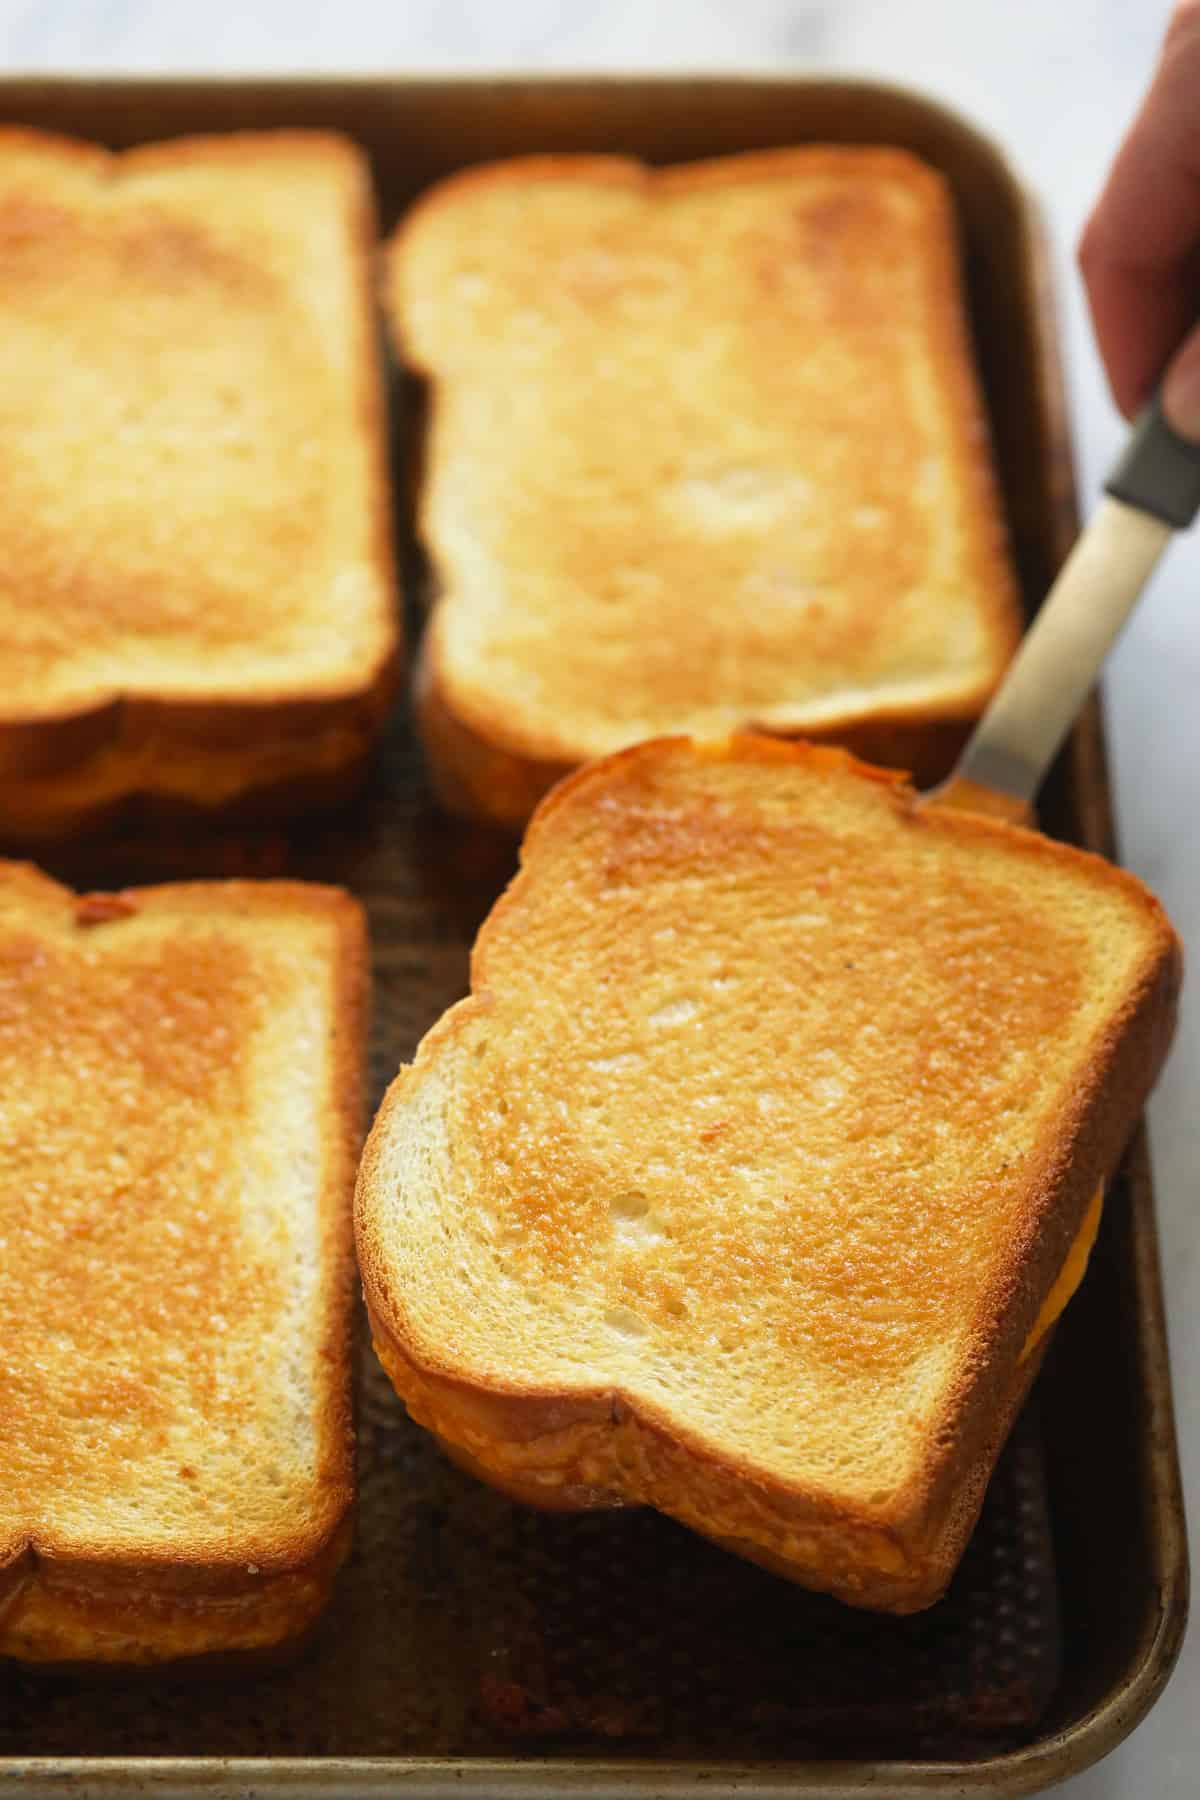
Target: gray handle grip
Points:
(1159, 471)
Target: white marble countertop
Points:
(1056, 84)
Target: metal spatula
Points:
(1153, 492)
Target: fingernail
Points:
(1181, 393)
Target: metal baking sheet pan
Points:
(475, 1645)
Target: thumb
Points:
(1181, 388)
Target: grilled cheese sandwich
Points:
(749, 1179)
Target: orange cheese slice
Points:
(1069, 1276)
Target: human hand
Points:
(1140, 251)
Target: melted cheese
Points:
(1069, 1276)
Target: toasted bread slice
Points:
(197, 594)
(706, 450)
(180, 1099)
(739, 1183)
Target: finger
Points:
(1138, 320)
(1138, 255)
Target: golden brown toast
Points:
(197, 594)
(705, 449)
(180, 1093)
(740, 1183)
